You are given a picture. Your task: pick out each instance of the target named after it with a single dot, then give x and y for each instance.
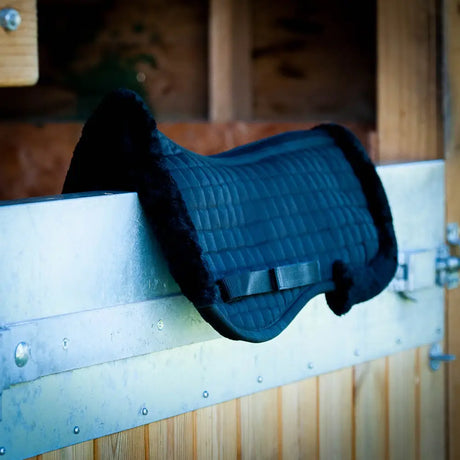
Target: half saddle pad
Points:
(251, 234)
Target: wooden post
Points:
(409, 126)
(18, 49)
(452, 120)
(229, 60)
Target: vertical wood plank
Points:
(299, 415)
(216, 432)
(452, 117)
(432, 409)
(83, 451)
(402, 406)
(230, 95)
(18, 49)
(119, 445)
(336, 415)
(259, 425)
(409, 125)
(173, 438)
(371, 415)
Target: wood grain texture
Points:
(259, 421)
(432, 409)
(408, 120)
(34, 158)
(229, 61)
(371, 410)
(335, 417)
(298, 402)
(83, 451)
(172, 438)
(117, 446)
(217, 431)
(18, 49)
(402, 405)
(452, 117)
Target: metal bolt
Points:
(310, 365)
(22, 354)
(10, 19)
(2, 451)
(260, 379)
(160, 325)
(145, 411)
(438, 330)
(205, 394)
(76, 430)
(65, 343)
(398, 341)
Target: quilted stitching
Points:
(303, 204)
(307, 194)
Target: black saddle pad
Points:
(252, 234)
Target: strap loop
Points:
(269, 280)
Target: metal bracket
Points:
(436, 356)
(452, 234)
(416, 270)
(422, 268)
(447, 265)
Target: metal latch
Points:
(422, 268)
(447, 265)
(436, 356)
(416, 270)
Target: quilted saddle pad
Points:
(251, 234)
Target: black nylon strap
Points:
(274, 279)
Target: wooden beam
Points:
(229, 60)
(408, 109)
(452, 119)
(18, 49)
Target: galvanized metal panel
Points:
(99, 364)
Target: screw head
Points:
(260, 379)
(10, 19)
(65, 343)
(145, 411)
(22, 354)
(310, 365)
(205, 394)
(160, 325)
(76, 430)
(356, 352)
(2, 451)
(398, 341)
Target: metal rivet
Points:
(10, 19)
(22, 354)
(65, 343)
(160, 325)
(205, 394)
(356, 352)
(76, 429)
(145, 411)
(260, 379)
(398, 341)
(2, 451)
(310, 366)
